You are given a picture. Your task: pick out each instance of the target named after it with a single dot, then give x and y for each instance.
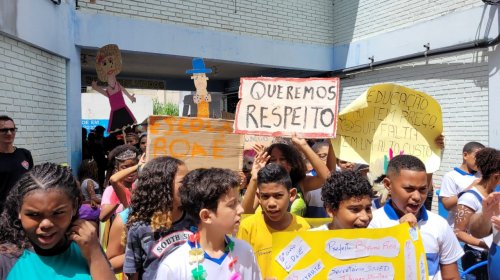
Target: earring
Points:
(17, 224)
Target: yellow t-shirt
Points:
(255, 231)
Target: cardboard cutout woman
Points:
(202, 98)
(108, 65)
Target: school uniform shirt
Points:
(474, 200)
(440, 243)
(177, 266)
(494, 257)
(258, 234)
(145, 248)
(70, 264)
(452, 184)
(315, 206)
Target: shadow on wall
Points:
(8, 17)
(490, 18)
(344, 20)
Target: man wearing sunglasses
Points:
(14, 161)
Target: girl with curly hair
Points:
(41, 236)
(470, 202)
(156, 225)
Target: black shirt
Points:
(12, 167)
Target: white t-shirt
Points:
(470, 200)
(320, 228)
(315, 205)
(440, 243)
(453, 183)
(176, 265)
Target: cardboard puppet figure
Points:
(108, 65)
(202, 98)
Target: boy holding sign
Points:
(407, 184)
(275, 193)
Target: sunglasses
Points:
(6, 130)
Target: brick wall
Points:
(357, 19)
(33, 93)
(458, 81)
(289, 20)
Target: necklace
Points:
(197, 256)
(112, 87)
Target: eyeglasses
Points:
(6, 130)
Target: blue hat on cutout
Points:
(198, 67)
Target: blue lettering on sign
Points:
(90, 124)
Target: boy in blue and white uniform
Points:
(406, 181)
(459, 179)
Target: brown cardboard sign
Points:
(199, 142)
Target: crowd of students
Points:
(169, 222)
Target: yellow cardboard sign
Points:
(364, 254)
(390, 119)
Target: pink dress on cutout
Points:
(120, 115)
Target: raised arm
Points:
(98, 89)
(130, 96)
(85, 235)
(331, 160)
(248, 202)
(310, 183)
(462, 219)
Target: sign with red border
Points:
(283, 106)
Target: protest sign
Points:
(252, 140)
(283, 106)
(366, 254)
(199, 142)
(390, 119)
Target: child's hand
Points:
(85, 235)
(259, 148)
(439, 141)
(491, 205)
(142, 160)
(259, 162)
(242, 179)
(94, 85)
(410, 218)
(495, 222)
(298, 142)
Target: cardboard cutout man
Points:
(202, 98)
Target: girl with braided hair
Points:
(41, 236)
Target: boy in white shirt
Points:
(210, 198)
(459, 179)
(407, 184)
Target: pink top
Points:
(109, 197)
(116, 99)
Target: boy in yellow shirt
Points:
(275, 193)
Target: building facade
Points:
(444, 48)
